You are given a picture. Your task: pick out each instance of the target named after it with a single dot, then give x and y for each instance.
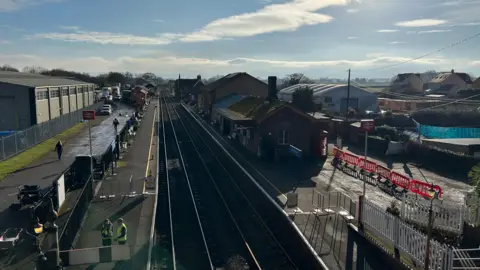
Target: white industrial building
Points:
(333, 97)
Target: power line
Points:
(428, 54)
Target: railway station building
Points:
(29, 99)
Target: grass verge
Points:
(35, 153)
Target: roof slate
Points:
(36, 80)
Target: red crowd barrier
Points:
(400, 180)
(351, 159)
(421, 188)
(383, 171)
(414, 186)
(369, 166)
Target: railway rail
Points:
(204, 218)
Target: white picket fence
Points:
(408, 240)
(446, 217)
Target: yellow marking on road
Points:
(150, 147)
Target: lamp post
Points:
(433, 192)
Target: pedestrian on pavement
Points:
(59, 149)
(115, 123)
(121, 232)
(107, 232)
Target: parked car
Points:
(106, 109)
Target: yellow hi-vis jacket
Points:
(107, 231)
(120, 237)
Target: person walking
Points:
(115, 123)
(59, 149)
(121, 232)
(107, 232)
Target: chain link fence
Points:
(22, 140)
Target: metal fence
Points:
(22, 140)
(394, 232)
(446, 217)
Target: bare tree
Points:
(34, 69)
(8, 68)
(295, 78)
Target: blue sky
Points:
(320, 38)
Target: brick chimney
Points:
(199, 77)
(272, 88)
(453, 71)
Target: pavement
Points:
(44, 171)
(137, 211)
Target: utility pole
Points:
(348, 96)
(178, 87)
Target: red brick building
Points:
(139, 96)
(269, 127)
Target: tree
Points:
(302, 99)
(34, 69)
(115, 77)
(8, 68)
(294, 79)
(474, 176)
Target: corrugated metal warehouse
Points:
(28, 99)
(334, 97)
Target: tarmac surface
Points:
(43, 172)
(137, 211)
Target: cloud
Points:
(106, 38)
(272, 18)
(433, 31)
(13, 5)
(352, 37)
(201, 65)
(352, 10)
(397, 42)
(3, 42)
(387, 31)
(70, 27)
(421, 23)
(158, 21)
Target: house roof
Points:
(442, 89)
(226, 80)
(36, 80)
(258, 109)
(191, 84)
(403, 76)
(228, 100)
(442, 76)
(319, 89)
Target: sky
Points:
(320, 38)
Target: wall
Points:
(243, 84)
(366, 100)
(79, 97)
(54, 102)
(14, 103)
(73, 98)
(42, 107)
(65, 102)
(300, 128)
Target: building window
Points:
(42, 94)
(54, 93)
(248, 134)
(73, 91)
(64, 91)
(328, 99)
(79, 89)
(283, 137)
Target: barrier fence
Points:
(446, 217)
(22, 140)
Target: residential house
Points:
(267, 126)
(234, 83)
(188, 89)
(333, 97)
(409, 83)
(476, 83)
(448, 83)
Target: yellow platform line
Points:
(150, 148)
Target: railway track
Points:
(204, 220)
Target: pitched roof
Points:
(191, 84)
(226, 80)
(36, 80)
(465, 77)
(440, 77)
(228, 100)
(403, 76)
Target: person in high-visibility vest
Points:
(107, 233)
(121, 232)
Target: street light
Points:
(433, 192)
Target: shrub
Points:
(387, 132)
